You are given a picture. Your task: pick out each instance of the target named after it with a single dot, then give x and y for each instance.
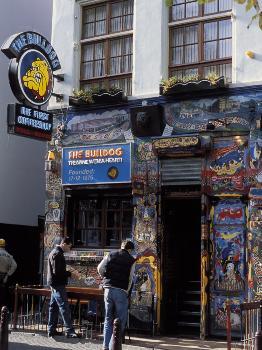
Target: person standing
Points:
(7, 268)
(57, 276)
(116, 269)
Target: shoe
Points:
(73, 335)
(54, 333)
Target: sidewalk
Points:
(39, 341)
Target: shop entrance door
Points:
(180, 309)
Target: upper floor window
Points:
(107, 45)
(200, 38)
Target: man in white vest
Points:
(7, 268)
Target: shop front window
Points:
(101, 222)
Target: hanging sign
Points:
(27, 121)
(96, 164)
(33, 60)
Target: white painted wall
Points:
(22, 175)
(247, 39)
(150, 52)
(150, 60)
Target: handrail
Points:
(78, 294)
(251, 319)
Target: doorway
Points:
(180, 309)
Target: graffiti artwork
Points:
(225, 172)
(228, 238)
(219, 313)
(96, 127)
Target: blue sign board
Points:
(96, 164)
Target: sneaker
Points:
(73, 335)
(54, 333)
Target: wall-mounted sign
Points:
(96, 164)
(27, 121)
(33, 60)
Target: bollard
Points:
(117, 335)
(228, 324)
(258, 341)
(4, 329)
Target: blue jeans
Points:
(59, 302)
(116, 306)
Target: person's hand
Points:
(5, 279)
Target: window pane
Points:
(113, 238)
(94, 21)
(120, 56)
(225, 5)
(124, 84)
(192, 9)
(121, 16)
(177, 55)
(225, 29)
(184, 9)
(181, 73)
(225, 48)
(217, 6)
(210, 50)
(221, 70)
(210, 31)
(191, 54)
(92, 237)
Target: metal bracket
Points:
(59, 97)
(59, 77)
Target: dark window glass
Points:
(99, 223)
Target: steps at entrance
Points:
(188, 320)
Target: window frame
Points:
(104, 81)
(73, 225)
(200, 21)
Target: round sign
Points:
(35, 77)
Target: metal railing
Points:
(251, 325)
(31, 305)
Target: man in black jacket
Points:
(117, 270)
(57, 276)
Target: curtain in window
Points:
(121, 16)
(93, 61)
(94, 20)
(120, 56)
(184, 9)
(185, 41)
(217, 6)
(217, 39)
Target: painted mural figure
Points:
(231, 281)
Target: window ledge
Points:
(201, 19)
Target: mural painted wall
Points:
(232, 166)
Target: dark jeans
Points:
(116, 306)
(59, 302)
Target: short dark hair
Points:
(66, 240)
(127, 245)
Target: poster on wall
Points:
(96, 164)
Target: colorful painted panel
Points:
(230, 212)
(229, 258)
(193, 115)
(255, 244)
(219, 313)
(97, 127)
(225, 171)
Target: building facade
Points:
(22, 175)
(175, 166)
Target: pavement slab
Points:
(40, 341)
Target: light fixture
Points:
(250, 54)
